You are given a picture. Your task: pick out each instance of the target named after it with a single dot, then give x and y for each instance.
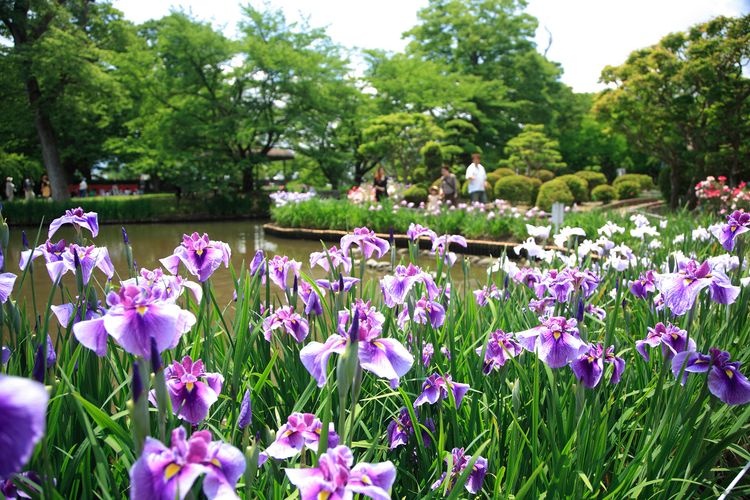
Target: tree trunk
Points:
(50, 153)
(674, 194)
(248, 181)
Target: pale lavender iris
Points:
(425, 311)
(563, 283)
(486, 293)
(435, 388)
(400, 429)
(7, 280)
(168, 473)
(672, 339)
(335, 479)
(301, 430)
(169, 287)
(191, 389)
(258, 264)
(87, 258)
(460, 462)
(384, 357)
(332, 257)
(681, 289)
(396, 287)
(310, 298)
(279, 269)
(441, 244)
(52, 252)
(136, 315)
(344, 283)
(643, 285)
(367, 241)
(725, 381)
(738, 222)
(200, 256)
(416, 231)
(23, 408)
(556, 341)
(287, 320)
(79, 219)
(500, 348)
(68, 314)
(589, 366)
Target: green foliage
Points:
(19, 167)
(593, 179)
(497, 174)
(604, 193)
(514, 189)
(415, 194)
(554, 191)
(532, 150)
(645, 182)
(577, 185)
(627, 189)
(543, 175)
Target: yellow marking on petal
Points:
(688, 281)
(557, 335)
(141, 310)
(366, 479)
(378, 344)
(189, 386)
(734, 228)
(199, 252)
(729, 373)
(171, 471)
(324, 495)
(216, 462)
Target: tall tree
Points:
(532, 150)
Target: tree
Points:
(532, 150)
(685, 101)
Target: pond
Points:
(151, 242)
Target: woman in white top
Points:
(477, 178)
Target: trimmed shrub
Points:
(415, 194)
(578, 186)
(535, 185)
(498, 174)
(593, 178)
(644, 181)
(544, 175)
(604, 193)
(552, 191)
(627, 189)
(514, 188)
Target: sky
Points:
(587, 35)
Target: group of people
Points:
(28, 188)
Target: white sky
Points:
(586, 34)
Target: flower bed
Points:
(567, 376)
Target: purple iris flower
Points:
(725, 381)
(191, 389)
(43, 362)
(556, 341)
(5, 353)
(278, 270)
(416, 231)
(310, 298)
(680, 289)
(337, 258)
(643, 285)
(258, 264)
(291, 322)
(23, 408)
(589, 366)
(435, 388)
(441, 244)
(168, 473)
(200, 256)
(88, 258)
(7, 280)
(738, 222)
(528, 276)
(427, 353)
(542, 307)
(335, 479)
(396, 287)
(562, 284)
(79, 219)
(367, 241)
(500, 348)
(384, 357)
(301, 430)
(52, 252)
(672, 339)
(400, 429)
(335, 285)
(168, 287)
(425, 311)
(136, 314)
(31, 486)
(486, 293)
(460, 461)
(245, 417)
(68, 315)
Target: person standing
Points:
(380, 183)
(10, 188)
(28, 189)
(83, 188)
(46, 188)
(448, 185)
(477, 178)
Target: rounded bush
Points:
(544, 175)
(604, 193)
(554, 191)
(644, 181)
(514, 188)
(593, 178)
(627, 189)
(578, 186)
(415, 194)
(498, 174)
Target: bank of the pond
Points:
(163, 207)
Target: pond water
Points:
(151, 242)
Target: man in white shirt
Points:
(477, 178)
